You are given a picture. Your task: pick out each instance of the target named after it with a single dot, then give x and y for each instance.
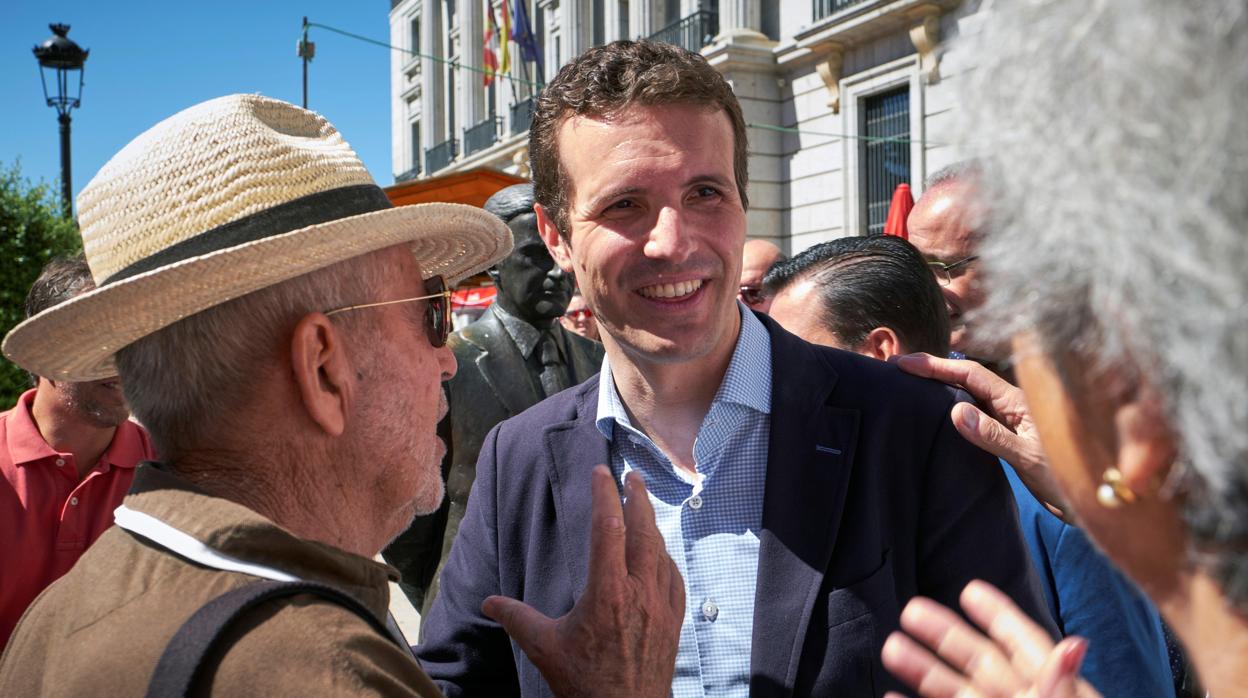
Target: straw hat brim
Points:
(76, 340)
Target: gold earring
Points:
(1113, 492)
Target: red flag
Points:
(898, 211)
(490, 59)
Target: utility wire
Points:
(455, 64)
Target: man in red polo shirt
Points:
(67, 454)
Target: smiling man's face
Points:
(655, 228)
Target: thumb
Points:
(1059, 676)
(985, 432)
(529, 627)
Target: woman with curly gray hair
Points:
(1117, 261)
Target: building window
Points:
(623, 19)
(884, 152)
(599, 34)
(416, 149)
(415, 38)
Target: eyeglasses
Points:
(752, 295)
(437, 315)
(579, 315)
(945, 273)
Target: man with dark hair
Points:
(67, 454)
(875, 296)
(804, 493)
(870, 295)
(516, 354)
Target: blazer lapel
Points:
(574, 448)
(809, 458)
(504, 369)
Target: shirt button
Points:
(695, 502)
(73, 501)
(709, 610)
(60, 462)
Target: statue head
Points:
(530, 285)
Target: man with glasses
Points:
(944, 227)
(286, 346)
(514, 356)
(757, 257)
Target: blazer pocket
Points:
(864, 596)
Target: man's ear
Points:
(559, 248)
(1146, 445)
(882, 343)
(322, 372)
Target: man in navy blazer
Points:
(851, 490)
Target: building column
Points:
(431, 117)
(740, 14)
(574, 26)
(472, 47)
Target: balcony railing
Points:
(692, 32)
(480, 136)
(441, 155)
(522, 115)
(407, 176)
(827, 8)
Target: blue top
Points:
(711, 522)
(1090, 598)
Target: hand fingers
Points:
(963, 647)
(985, 386)
(532, 630)
(606, 537)
(643, 544)
(1026, 643)
(1059, 678)
(921, 670)
(986, 432)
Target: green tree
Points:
(32, 231)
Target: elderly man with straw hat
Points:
(280, 329)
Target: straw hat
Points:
(227, 197)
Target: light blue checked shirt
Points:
(711, 527)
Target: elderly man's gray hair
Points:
(1121, 226)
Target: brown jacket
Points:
(100, 629)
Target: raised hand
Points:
(620, 637)
(1015, 658)
(1005, 430)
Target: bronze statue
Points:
(513, 357)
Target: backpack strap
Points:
(181, 663)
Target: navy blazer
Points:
(871, 498)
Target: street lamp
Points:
(61, 60)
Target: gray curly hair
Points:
(1124, 236)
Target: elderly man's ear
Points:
(322, 371)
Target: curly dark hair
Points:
(606, 80)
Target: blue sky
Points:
(149, 60)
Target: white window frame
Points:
(854, 89)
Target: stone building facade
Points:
(845, 98)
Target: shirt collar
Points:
(238, 532)
(747, 382)
(522, 333)
(25, 443)
(128, 440)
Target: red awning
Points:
(479, 297)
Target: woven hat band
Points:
(313, 209)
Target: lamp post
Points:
(61, 60)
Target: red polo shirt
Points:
(47, 516)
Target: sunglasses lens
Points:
(438, 314)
